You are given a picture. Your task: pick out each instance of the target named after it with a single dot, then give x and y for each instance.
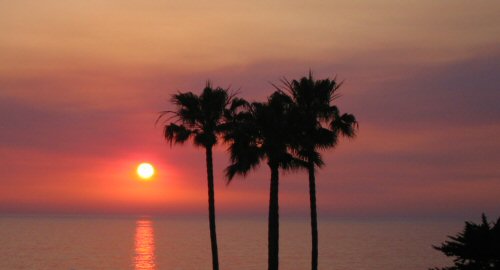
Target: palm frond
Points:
(204, 139)
(163, 114)
(174, 133)
(345, 125)
(289, 162)
(188, 108)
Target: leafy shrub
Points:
(477, 247)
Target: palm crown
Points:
(317, 124)
(199, 117)
(261, 132)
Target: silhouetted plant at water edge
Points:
(477, 247)
(317, 125)
(202, 119)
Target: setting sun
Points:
(145, 170)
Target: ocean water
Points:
(145, 243)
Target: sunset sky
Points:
(82, 82)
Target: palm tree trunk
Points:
(211, 208)
(314, 216)
(273, 225)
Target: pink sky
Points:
(82, 82)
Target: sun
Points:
(145, 170)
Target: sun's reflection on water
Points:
(144, 245)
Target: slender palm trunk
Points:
(211, 208)
(273, 225)
(314, 216)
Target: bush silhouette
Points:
(477, 247)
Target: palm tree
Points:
(317, 125)
(257, 134)
(202, 119)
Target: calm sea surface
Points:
(77, 243)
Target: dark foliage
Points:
(201, 118)
(261, 132)
(477, 247)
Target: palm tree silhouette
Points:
(202, 119)
(317, 125)
(262, 133)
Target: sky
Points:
(82, 82)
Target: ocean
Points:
(149, 243)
